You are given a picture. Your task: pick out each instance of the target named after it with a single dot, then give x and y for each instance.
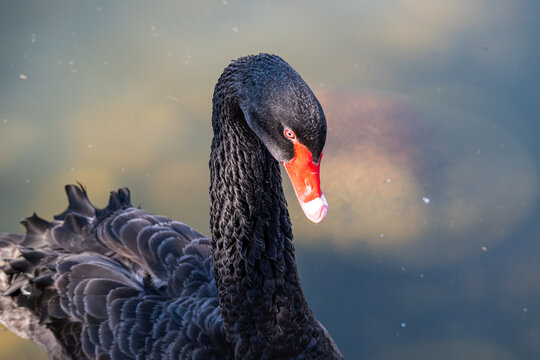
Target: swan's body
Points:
(120, 283)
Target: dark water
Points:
(431, 246)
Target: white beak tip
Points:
(316, 209)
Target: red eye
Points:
(289, 134)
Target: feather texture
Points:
(115, 286)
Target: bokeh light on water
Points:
(431, 165)
(417, 181)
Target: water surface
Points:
(431, 245)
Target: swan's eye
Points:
(289, 134)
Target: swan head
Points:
(284, 113)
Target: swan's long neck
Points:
(263, 308)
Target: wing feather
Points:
(115, 283)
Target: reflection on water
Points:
(419, 177)
(431, 165)
(447, 351)
(13, 347)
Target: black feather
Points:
(78, 202)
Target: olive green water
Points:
(431, 246)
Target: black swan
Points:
(120, 283)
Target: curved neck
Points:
(263, 308)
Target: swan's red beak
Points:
(304, 175)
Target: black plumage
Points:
(121, 283)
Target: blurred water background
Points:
(431, 246)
